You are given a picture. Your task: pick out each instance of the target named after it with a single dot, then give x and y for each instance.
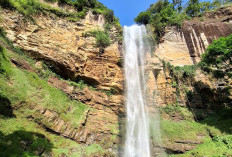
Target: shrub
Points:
(102, 38)
(218, 57)
(81, 4)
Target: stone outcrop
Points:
(101, 120)
(198, 35)
(63, 46)
(202, 91)
(184, 46)
(161, 91)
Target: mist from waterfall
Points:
(137, 135)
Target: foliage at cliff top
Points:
(31, 7)
(218, 57)
(165, 13)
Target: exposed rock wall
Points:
(198, 35)
(184, 46)
(65, 48)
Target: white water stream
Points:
(137, 135)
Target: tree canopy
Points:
(164, 12)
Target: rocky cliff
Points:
(63, 94)
(184, 46)
(185, 95)
(83, 71)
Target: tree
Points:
(143, 18)
(205, 6)
(218, 57)
(193, 8)
(177, 4)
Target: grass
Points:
(23, 90)
(211, 148)
(172, 109)
(18, 132)
(30, 8)
(22, 129)
(30, 89)
(217, 129)
(184, 130)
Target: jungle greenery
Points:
(164, 13)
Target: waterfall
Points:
(137, 134)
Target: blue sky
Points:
(127, 10)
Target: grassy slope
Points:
(20, 91)
(217, 129)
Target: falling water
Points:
(137, 135)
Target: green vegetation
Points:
(182, 112)
(28, 88)
(102, 37)
(183, 130)
(25, 138)
(165, 13)
(178, 72)
(186, 123)
(216, 130)
(29, 8)
(218, 57)
(159, 15)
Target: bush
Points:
(81, 4)
(187, 71)
(218, 57)
(102, 38)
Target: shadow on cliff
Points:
(6, 110)
(122, 133)
(24, 143)
(211, 106)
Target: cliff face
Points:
(64, 46)
(93, 77)
(190, 98)
(184, 46)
